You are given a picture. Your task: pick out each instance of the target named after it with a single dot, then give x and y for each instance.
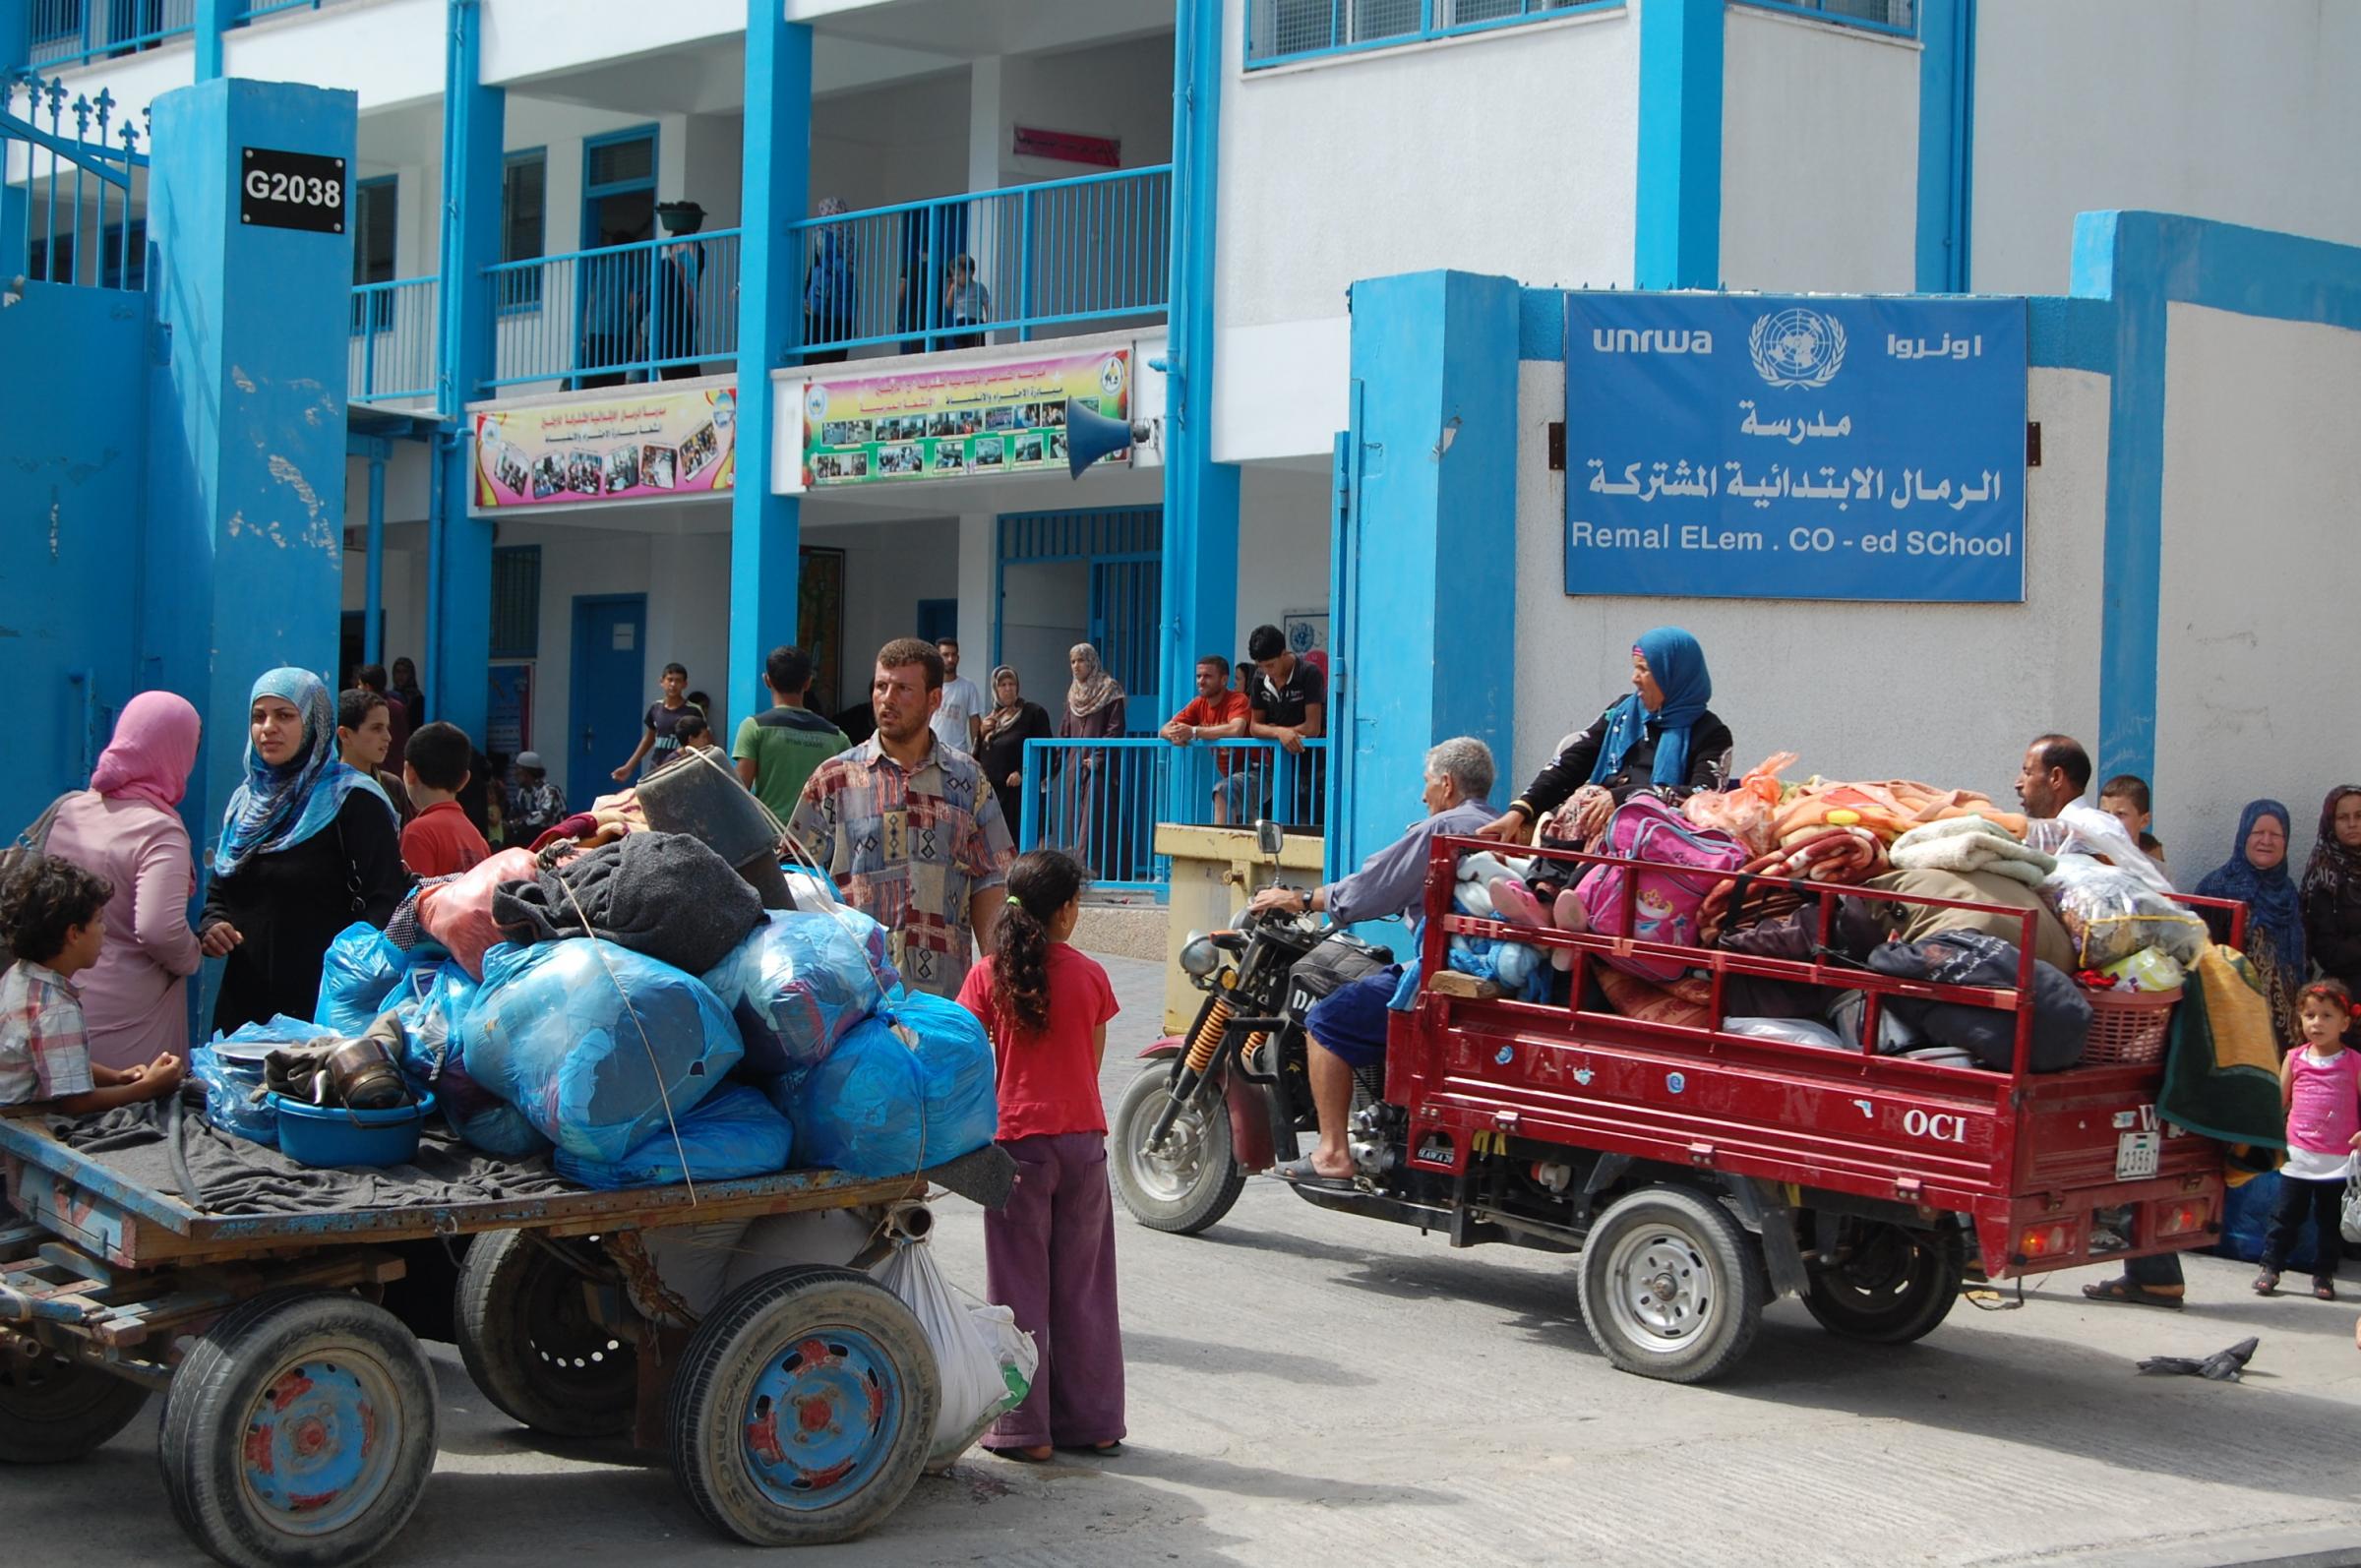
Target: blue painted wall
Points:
(71, 488)
(1677, 222)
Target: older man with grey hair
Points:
(1346, 1029)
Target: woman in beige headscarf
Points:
(1094, 708)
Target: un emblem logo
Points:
(1796, 347)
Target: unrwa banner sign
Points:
(1795, 447)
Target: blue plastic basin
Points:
(335, 1135)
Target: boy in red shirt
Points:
(1050, 1254)
(1216, 713)
(440, 840)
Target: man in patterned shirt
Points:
(908, 828)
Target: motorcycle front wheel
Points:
(1188, 1183)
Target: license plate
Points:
(2137, 1155)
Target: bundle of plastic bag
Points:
(357, 975)
(986, 1361)
(597, 1045)
(908, 1087)
(733, 1132)
(429, 1004)
(456, 911)
(798, 982)
(2151, 969)
(232, 1088)
(2112, 914)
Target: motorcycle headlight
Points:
(1199, 957)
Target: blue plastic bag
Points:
(2246, 1219)
(357, 976)
(551, 1032)
(429, 1002)
(799, 981)
(735, 1132)
(894, 1098)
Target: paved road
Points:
(1308, 1389)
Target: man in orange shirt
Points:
(440, 840)
(1218, 713)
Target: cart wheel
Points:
(1672, 1284)
(524, 1330)
(1892, 1286)
(299, 1432)
(53, 1409)
(1189, 1184)
(803, 1408)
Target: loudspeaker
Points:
(1091, 435)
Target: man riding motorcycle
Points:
(1347, 1028)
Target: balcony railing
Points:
(598, 318)
(63, 33)
(395, 334)
(1100, 801)
(993, 266)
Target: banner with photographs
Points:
(956, 422)
(655, 446)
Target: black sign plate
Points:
(291, 190)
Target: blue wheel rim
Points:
(820, 1415)
(320, 1442)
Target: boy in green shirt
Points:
(776, 749)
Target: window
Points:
(373, 210)
(1279, 31)
(516, 601)
(524, 185)
(1879, 16)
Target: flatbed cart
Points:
(299, 1422)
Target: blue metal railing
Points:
(1101, 800)
(1280, 32)
(75, 179)
(394, 335)
(63, 33)
(603, 316)
(1897, 17)
(990, 266)
(256, 10)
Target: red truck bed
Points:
(2033, 1158)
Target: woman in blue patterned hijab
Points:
(295, 783)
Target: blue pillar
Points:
(242, 568)
(458, 593)
(1200, 496)
(373, 599)
(1677, 218)
(1946, 142)
(215, 18)
(764, 529)
(1430, 556)
(16, 43)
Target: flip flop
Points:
(1101, 1450)
(2123, 1290)
(1513, 901)
(1304, 1172)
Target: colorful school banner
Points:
(651, 446)
(957, 422)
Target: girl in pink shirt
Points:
(2319, 1084)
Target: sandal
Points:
(2267, 1282)
(1020, 1454)
(2124, 1290)
(2325, 1290)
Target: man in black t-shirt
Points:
(1290, 706)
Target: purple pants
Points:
(1050, 1259)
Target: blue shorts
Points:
(1350, 1020)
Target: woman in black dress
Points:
(309, 845)
(1011, 722)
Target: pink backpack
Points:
(1666, 906)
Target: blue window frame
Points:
(523, 226)
(1897, 17)
(1282, 32)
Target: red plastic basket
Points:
(2128, 1026)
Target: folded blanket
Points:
(662, 894)
(1968, 845)
(2221, 1063)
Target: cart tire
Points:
(299, 1432)
(803, 1408)
(1672, 1284)
(1894, 1286)
(1194, 1181)
(53, 1409)
(525, 1331)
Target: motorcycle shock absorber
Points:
(1202, 1047)
(1209, 1034)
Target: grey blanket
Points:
(663, 894)
(166, 1148)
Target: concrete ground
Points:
(1308, 1388)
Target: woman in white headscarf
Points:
(829, 292)
(1094, 708)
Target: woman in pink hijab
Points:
(126, 828)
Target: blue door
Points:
(938, 619)
(609, 691)
(1125, 603)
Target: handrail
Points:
(49, 23)
(396, 337)
(1101, 797)
(605, 313)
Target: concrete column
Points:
(1427, 565)
(1677, 218)
(242, 564)
(215, 18)
(1200, 496)
(979, 598)
(984, 98)
(766, 531)
(459, 596)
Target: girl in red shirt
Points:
(1050, 1254)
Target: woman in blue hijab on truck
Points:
(1659, 736)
